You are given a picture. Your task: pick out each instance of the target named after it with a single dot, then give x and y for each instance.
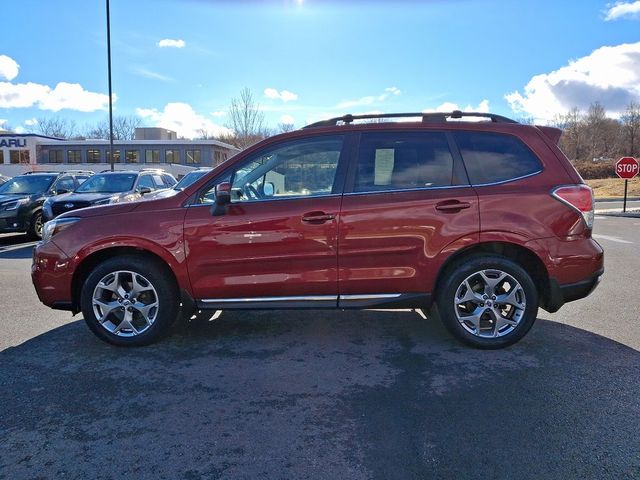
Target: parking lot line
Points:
(611, 238)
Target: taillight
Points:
(579, 197)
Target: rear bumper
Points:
(558, 294)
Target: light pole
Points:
(111, 152)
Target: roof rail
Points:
(151, 169)
(435, 117)
(78, 171)
(39, 171)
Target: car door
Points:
(276, 244)
(407, 199)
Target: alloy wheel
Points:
(489, 303)
(125, 303)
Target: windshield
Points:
(27, 184)
(189, 178)
(108, 183)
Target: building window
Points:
(1, 156)
(217, 157)
(55, 156)
(73, 156)
(116, 156)
(93, 156)
(152, 156)
(193, 156)
(131, 156)
(19, 156)
(172, 156)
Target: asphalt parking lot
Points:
(336, 395)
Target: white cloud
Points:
(3, 121)
(218, 113)
(622, 9)
(287, 119)
(8, 68)
(482, 107)
(171, 43)
(609, 75)
(284, 95)
(65, 95)
(31, 122)
(368, 100)
(20, 129)
(183, 119)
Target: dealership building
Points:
(152, 147)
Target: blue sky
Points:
(310, 59)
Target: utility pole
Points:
(111, 152)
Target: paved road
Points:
(273, 395)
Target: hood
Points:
(102, 210)
(82, 197)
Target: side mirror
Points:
(223, 198)
(144, 190)
(269, 189)
(60, 191)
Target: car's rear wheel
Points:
(35, 226)
(488, 302)
(129, 301)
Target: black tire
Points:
(36, 225)
(166, 295)
(454, 278)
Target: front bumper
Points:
(51, 276)
(10, 224)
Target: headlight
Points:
(56, 226)
(15, 204)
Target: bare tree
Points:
(285, 127)
(246, 120)
(631, 130)
(124, 128)
(572, 141)
(55, 127)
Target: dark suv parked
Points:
(486, 221)
(109, 187)
(22, 196)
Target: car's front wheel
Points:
(488, 302)
(36, 225)
(129, 301)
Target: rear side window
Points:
(494, 157)
(392, 161)
(146, 181)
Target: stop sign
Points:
(627, 167)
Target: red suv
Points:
(484, 220)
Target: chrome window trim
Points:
(417, 189)
(507, 181)
(303, 298)
(265, 201)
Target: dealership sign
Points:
(13, 142)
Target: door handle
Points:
(452, 206)
(317, 217)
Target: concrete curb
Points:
(635, 213)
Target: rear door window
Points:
(494, 157)
(393, 161)
(146, 181)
